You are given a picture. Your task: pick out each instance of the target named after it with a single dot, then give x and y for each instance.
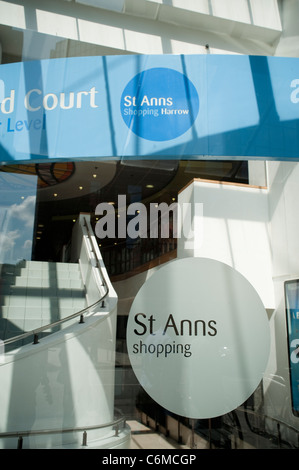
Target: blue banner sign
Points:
(150, 106)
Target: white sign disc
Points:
(198, 338)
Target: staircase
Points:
(57, 352)
(35, 293)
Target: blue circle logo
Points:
(159, 104)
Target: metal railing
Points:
(116, 426)
(35, 333)
(279, 423)
(215, 436)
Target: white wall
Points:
(235, 231)
(288, 44)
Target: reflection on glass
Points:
(17, 215)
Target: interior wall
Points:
(283, 180)
(235, 231)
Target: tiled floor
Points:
(145, 438)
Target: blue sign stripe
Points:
(166, 106)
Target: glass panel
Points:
(17, 216)
(39, 206)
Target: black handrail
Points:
(84, 429)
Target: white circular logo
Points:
(198, 338)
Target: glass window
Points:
(39, 206)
